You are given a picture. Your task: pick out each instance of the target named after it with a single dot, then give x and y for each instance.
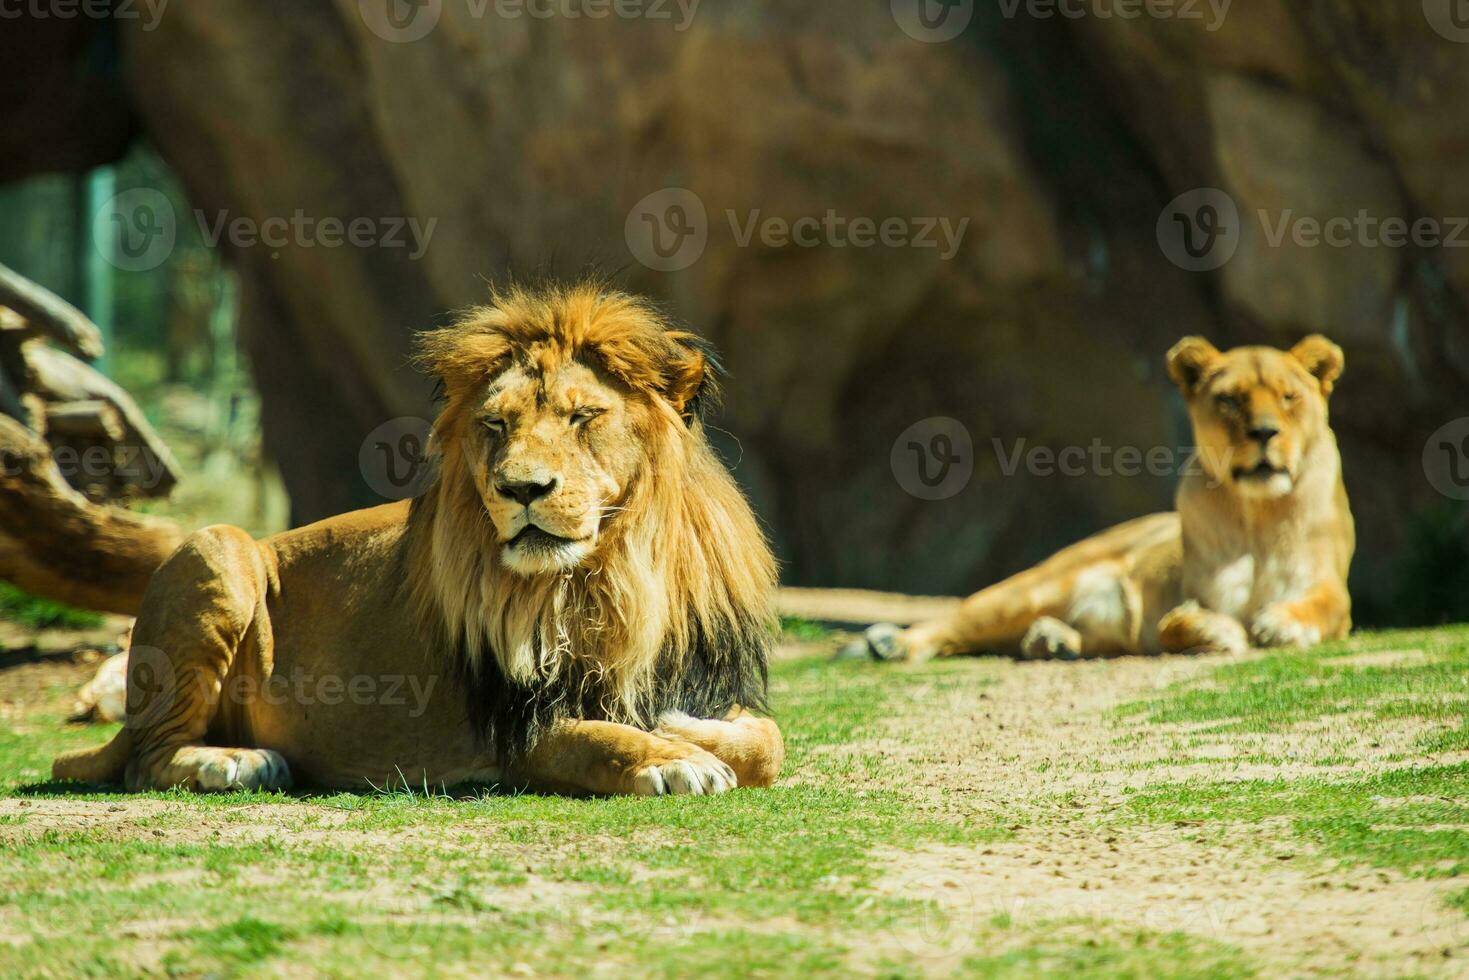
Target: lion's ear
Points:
(691, 379)
(1322, 358)
(1188, 360)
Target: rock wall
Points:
(1057, 142)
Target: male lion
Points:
(1257, 551)
(581, 570)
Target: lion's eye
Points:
(494, 425)
(1289, 397)
(584, 415)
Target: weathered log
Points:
(147, 466)
(92, 419)
(49, 315)
(57, 544)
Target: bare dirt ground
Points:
(1039, 739)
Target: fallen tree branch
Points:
(55, 543)
(50, 315)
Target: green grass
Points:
(798, 630)
(1271, 693)
(1411, 817)
(33, 612)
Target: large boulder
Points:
(1035, 154)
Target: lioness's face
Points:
(551, 453)
(1256, 410)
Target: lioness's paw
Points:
(696, 773)
(1190, 628)
(223, 770)
(1275, 627)
(885, 642)
(1048, 637)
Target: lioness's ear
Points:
(1188, 360)
(1322, 358)
(692, 375)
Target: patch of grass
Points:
(36, 613)
(1280, 690)
(798, 630)
(245, 940)
(1414, 819)
(1086, 949)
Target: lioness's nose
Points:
(524, 491)
(1263, 432)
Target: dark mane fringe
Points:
(727, 666)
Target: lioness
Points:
(580, 602)
(1257, 551)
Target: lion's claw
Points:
(699, 774)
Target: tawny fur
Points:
(1257, 551)
(652, 596)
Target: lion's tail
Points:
(102, 764)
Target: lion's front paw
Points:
(210, 769)
(679, 768)
(1190, 628)
(1276, 627)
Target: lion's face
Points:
(551, 453)
(1256, 411)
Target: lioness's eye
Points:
(1226, 401)
(1288, 397)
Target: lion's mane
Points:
(674, 609)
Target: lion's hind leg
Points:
(198, 609)
(751, 746)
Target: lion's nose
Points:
(1263, 432)
(525, 491)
